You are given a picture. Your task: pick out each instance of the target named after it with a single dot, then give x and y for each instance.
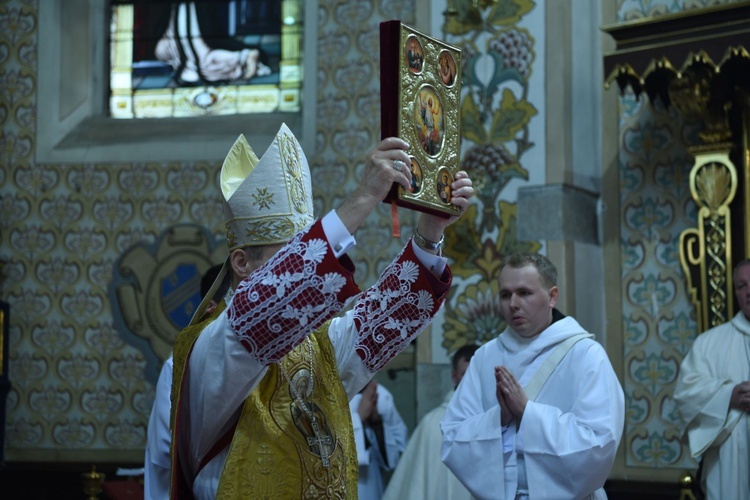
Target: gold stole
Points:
(179, 488)
(180, 352)
(275, 451)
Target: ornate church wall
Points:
(657, 323)
(80, 389)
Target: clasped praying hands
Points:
(740, 399)
(510, 396)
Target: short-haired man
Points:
(713, 396)
(540, 412)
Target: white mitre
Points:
(266, 201)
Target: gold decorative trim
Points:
(625, 74)
(705, 251)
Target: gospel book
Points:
(420, 90)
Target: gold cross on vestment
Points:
(322, 442)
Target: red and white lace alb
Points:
(304, 285)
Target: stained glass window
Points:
(209, 57)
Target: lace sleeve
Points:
(295, 292)
(397, 308)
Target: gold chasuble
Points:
(295, 437)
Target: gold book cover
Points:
(420, 91)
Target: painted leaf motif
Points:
(510, 118)
(467, 18)
(509, 12)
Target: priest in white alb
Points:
(713, 396)
(540, 412)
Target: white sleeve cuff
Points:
(509, 437)
(338, 236)
(434, 263)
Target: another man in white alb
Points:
(540, 412)
(421, 473)
(713, 396)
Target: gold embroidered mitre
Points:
(266, 201)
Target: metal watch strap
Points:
(427, 244)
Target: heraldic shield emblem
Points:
(180, 294)
(155, 289)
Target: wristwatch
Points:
(427, 244)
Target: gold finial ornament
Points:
(686, 486)
(705, 251)
(92, 483)
(692, 93)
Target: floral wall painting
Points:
(496, 114)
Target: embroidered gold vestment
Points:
(277, 451)
(281, 448)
